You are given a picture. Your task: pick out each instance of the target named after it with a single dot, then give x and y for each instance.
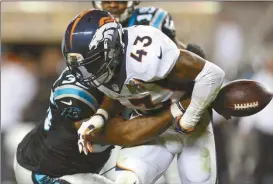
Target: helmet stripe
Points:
(75, 24)
(105, 20)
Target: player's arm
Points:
(93, 125)
(208, 79)
(136, 131)
(119, 131)
(108, 108)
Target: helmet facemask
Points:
(99, 64)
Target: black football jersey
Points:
(51, 147)
(152, 16)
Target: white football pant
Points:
(145, 164)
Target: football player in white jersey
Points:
(142, 68)
(128, 14)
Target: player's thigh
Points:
(147, 161)
(109, 169)
(171, 174)
(197, 161)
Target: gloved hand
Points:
(177, 111)
(196, 49)
(91, 126)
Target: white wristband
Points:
(176, 109)
(95, 121)
(103, 112)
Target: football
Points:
(241, 98)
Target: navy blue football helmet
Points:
(92, 46)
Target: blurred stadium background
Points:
(238, 36)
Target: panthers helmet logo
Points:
(71, 112)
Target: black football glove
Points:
(196, 49)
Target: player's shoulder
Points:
(148, 38)
(148, 52)
(156, 17)
(66, 78)
(148, 16)
(73, 91)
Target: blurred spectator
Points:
(227, 54)
(255, 136)
(27, 75)
(48, 71)
(228, 48)
(18, 86)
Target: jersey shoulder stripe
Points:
(48, 119)
(77, 93)
(158, 18)
(132, 19)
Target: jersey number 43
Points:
(144, 41)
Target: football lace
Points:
(246, 105)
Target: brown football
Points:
(241, 98)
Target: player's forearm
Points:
(208, 79)
(143, 129)
(135, 131)
(207, 85)
(108, 109)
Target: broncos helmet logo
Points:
(106, 31)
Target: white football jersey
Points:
(149, 56)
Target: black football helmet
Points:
(92, 46)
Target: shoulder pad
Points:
(74, 92)
(67, 78)
(149, 16)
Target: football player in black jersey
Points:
(49, 154)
